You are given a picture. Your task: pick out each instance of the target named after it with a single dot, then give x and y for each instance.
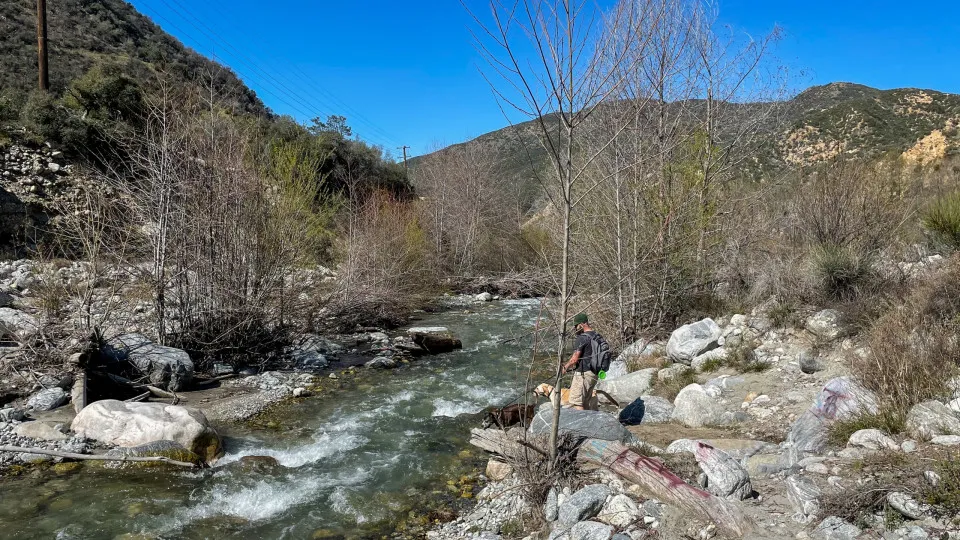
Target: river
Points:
(353, 463)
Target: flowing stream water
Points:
(352, 462)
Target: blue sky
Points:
(406, 73)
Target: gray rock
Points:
(10, 414)
(582, 505)
(809, 363)
(641, 349)
(804, 495)
(834, 528)
(40, 431)
(551, 507)
(714, 355)
(49, 399)
(932, 419)
(589, 424)
(872, 439)
(166, 367)
(908, 446)
(905, 504)
(825, 324)
(629, 387)
(694, 407)
(484, 297)
(652, 508)
(725, 476)
(381, 362)
(910, 532)
(932, 478)
(27, 457)
(692, 340)
(6, 299)
(309, 353)
(657, 410)
(946, 440)
(672, 372)
(17, 326)
(590, 530)
(840, 399)
(620, 511)
(618, 368)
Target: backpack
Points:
(633, 413)
(600, 359)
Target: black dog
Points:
(510, 415)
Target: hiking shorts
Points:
(581, 390)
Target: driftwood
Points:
(88, 457)
(141, 397)
(152, 389)
(657, 481)
(504, 443)
(653, 477)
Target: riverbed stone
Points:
(692, 340)
(804, 495)
(694, 407)
(17, 326)
(589, 424)
(932, 419)
(40, 431)
(134, 424)
(167, 449)
(629, 387)
(48, 399)
(825, 324)
(498, 470)
(584, 530)
(382, 362)
(835, 528)
(167, 367)
(582, 505)
(551, 508)
(620, 511)
(872, 439)
(657, 410)
(905, 504)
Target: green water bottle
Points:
(602, 375)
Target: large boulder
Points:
(582, 505)
(134, 424)
(168, 449)
(48, 399)
(166, 367)
(694, 407)
(629, 387)
(618, 368)
(17, 326)
(589, 424)
(840, 399)
(692, 340)
(434, 343)
(932, 419)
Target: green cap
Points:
(580, 318)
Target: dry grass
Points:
(914, 349)
(670, 388)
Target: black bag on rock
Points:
(632, 414)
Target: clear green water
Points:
(350, 463)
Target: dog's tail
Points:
(609, 397)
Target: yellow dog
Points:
(547, 390)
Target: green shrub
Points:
(843, 272)
(943, 220)
(42, 116)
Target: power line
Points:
(213, 35)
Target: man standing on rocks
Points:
(584, 378)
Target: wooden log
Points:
(141, 397)
(507, 444)
(658, 482)
(153, 389)
(89, 457)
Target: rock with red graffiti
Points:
(841, 399)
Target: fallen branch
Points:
(153, 389)
(88, 457)
(141, 397)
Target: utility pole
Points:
(42, 44)
(404, 149)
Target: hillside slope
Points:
(818, 124)
(83, 33)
